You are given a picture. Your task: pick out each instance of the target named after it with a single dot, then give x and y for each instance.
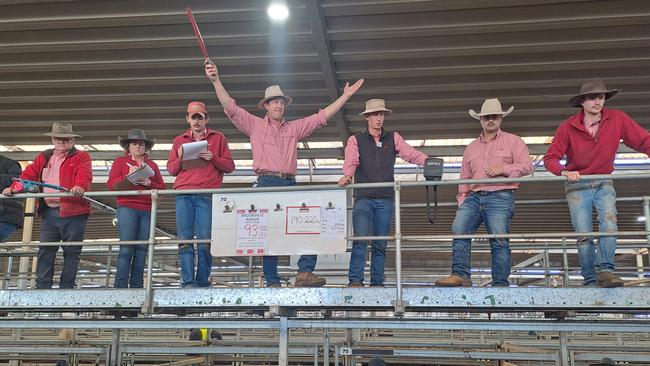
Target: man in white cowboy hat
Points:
(494, 154)
(370, 158)
(63, 218)
(275, 151)
(589, 140)
(194, 211)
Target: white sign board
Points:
(279, 223)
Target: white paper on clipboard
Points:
(252, 230)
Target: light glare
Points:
(278, 12)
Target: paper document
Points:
(191, 152)
(141, 174)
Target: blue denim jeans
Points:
(306, 263)
(132, 224)
(6, 229)
(582, 198)
(495, 210)
(194, 221)
(53, 229)
(370, 216)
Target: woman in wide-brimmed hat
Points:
(133, 212)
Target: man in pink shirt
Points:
(370, 158)
(194, 211)
(275, 151)
(589, 140)
(494, 154)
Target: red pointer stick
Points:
(197, 33)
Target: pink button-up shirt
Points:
(50, 175)
(404, 151)
(274, 149)
(506, 150)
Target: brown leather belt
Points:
(276, 174)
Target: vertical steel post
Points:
(107, 280)
(565, 263)
(148, 300)
(326, 348)
(564, 351)
(399, 305)
(115, 348)
(646, 213)
(250, 272)
(283, 352)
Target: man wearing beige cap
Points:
(370, 158)
(194, 211)
(274, 144)
(494, 154)
(589, 140)
(63, 218)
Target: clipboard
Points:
(130, 181)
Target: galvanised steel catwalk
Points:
(475, 299)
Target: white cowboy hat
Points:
(491, 106)
(271, 92)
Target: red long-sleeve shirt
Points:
(120, 170)
(76, 170)
(207, 176)
(594, 155)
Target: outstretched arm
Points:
(213, 74)
(348, 91)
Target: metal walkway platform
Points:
(623, 299)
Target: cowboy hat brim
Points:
(502, 113)
(55, 134)
(124, 142)
(609, 94)
(287, 101)
(388, 111)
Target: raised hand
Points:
(349, 90)
(211, 70)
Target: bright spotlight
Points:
(278, 12)
(640, 219)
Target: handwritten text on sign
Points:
(303, 220)
(252, 229)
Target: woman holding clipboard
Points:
(133, 171)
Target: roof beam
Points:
(317, 22)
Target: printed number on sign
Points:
(305, 220)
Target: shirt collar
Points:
(481, 137)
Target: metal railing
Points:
(398, 238)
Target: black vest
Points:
(376, 164)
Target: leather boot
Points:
(454, 281)
(308, 279)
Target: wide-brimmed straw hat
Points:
(594, 86)
(271, 92)
(489, 107)
(375, 105)
(135, 134)
(61, 130)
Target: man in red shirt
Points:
(63, 218)
(589, 140)
(194, 211)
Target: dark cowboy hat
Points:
(594, 86)
(61, 130)
(135, 134)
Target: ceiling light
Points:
(640, 219)
(278, 12)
